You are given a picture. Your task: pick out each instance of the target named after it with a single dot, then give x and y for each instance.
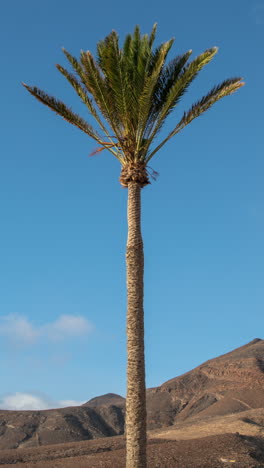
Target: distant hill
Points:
(21, 429)
(228, 384)
(109, 399)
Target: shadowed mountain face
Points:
(228, 384)
(19, 429)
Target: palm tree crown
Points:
(129, 92)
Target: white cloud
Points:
(23, 401)
(67, 326)
(33, 401)
(65, 403)
(20, 330)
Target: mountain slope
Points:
(227, 384)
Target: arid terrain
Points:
(213, 451)
(211, 416)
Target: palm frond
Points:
(78, 68)
(135, 65)
(226, 88)
(61, 109)
(111, 63)
(136, 45)
(147, 96)
(75, 65)
(186, 77)
(139, 60)
(82, 93)
(97, 86)
(67, 114)
(167, 78)
(181, 85)
(152, 35)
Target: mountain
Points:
(22, 429)
(222, 386)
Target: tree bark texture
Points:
(136, 389)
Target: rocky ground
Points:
(209, 452)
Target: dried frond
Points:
(107, 145)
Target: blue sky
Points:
(63, 214)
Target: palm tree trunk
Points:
(136, 389)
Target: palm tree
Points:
(130, 92)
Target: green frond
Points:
(180, 87)
(111, 63)
(65, 112)
(136, 44)
(75, 84)
(226, 88)
(79, 69)
(75, 65)
(135, 64)
(186, 77)
(127, 45)
(152, 35)
(167, 79)
(155, 55)
(147, 96)
(82, 93)
(97, 86)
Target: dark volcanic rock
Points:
(228, 384)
